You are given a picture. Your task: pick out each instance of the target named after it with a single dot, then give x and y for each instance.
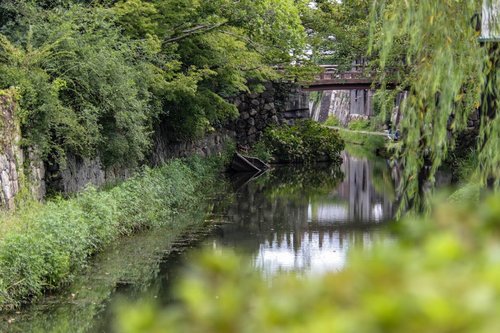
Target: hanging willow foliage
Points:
(449, 74)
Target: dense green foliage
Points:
(359, 125)
(261, 151)
(306, 141)
(448, 283)
(135, 260)
(338, 31)
(94, 77)
(449, 75)
(53, 241)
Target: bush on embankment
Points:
(53, 241)
(306, 141)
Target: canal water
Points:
(307, 218)
(292, 218)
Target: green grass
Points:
(53, 241)
(359, 144)
(332, 121)
(359, 125)
(134, 261)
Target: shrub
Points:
(53, 241)
(306, 141)
(262, 151)
(332, 121)
(359, 125)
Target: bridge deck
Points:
(333, 79)
(339, 84)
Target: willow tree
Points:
(449, 73)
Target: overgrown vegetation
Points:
(332, 121)
(261, 151)
(397, 287)
(134, 260)
(338, 31)
(95, 77)
(359, 125)
(51, 242)
(306, 141)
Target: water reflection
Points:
(306, 219)
(356, 199)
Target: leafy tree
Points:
(95, 77)
(337, 31)
(80, 83)
(449, 74)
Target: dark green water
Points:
(290, 219)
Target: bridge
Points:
(331, 78)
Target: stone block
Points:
(269, 106)
(241, 123)
(268, 94)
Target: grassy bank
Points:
(364, 144)
(47, 244)
(133, 262)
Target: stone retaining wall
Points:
(279, 103)
(80, 172)
(25, 169)
(10, 153)
(14, 174)
(210, 145)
